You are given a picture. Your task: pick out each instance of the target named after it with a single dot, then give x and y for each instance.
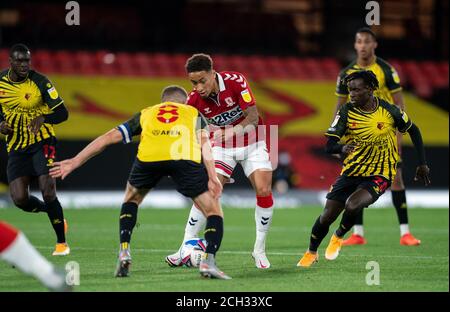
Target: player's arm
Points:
(399, 102)
(404, 124)
(214, 185)
(335, 132)
(422, 170)
(59, 114)
(123, 132)
(5, 128)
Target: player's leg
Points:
(332, 210)
(213, 235)
(258, 168)
(47, 186)
(194, 225)
(368, 190)
(399, 201)
(192, 179)
(357, 238)
(127, 222)
(355, 203)
(224, 163)
(17, 250)
(20, 195)
(261, 180)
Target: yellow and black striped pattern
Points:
(388, 79)
(23, 101)
(374, 134)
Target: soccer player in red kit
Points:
(227, 102)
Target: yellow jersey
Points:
(168, 131)
(374, 134)
(22, 101)
(388, 79)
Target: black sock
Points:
(34, 205)
(318, 233)
(399, 200)
(347, 222)
(359, 218)
(56, 217)
(128, 217)
(213, 233)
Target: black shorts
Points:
(345, 186)
(33, 161)
(190, 177)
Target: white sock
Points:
(195, 223)
(404, 229)
(26, 258)
(358, 230)
(263, 219)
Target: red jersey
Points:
(227, 107)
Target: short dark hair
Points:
(367, 30)
(367, 76)
(174, 93)
(199, 62)
(18, 47)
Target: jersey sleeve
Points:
(130, 128)
(341, 87)
(339, 126)
(244, 92)
(392, 79)
(49, 93)
(401, 119)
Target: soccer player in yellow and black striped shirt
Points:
(389, 90)
(370, 125)
(29, 107)
(169, 147)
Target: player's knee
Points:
(353, 207)
(20, 200)
(263, 191)
(48, 197)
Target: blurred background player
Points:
(370, 163)
(389, 90)
(161, 127)
(30, 106)
(227, 101)
(17, 251)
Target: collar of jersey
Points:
(10, 80)
(374, 110)
(361, 67)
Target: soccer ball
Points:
(192, 251)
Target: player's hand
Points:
(215, 187)
(36, 124)
(61, 169)
(423, 173)
(5, 128)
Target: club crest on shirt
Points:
(380, 125)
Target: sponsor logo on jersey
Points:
(53, 93)
(227, 117)
(246, 96)
(166, 132)
(167, 113)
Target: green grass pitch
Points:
(93, 238)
